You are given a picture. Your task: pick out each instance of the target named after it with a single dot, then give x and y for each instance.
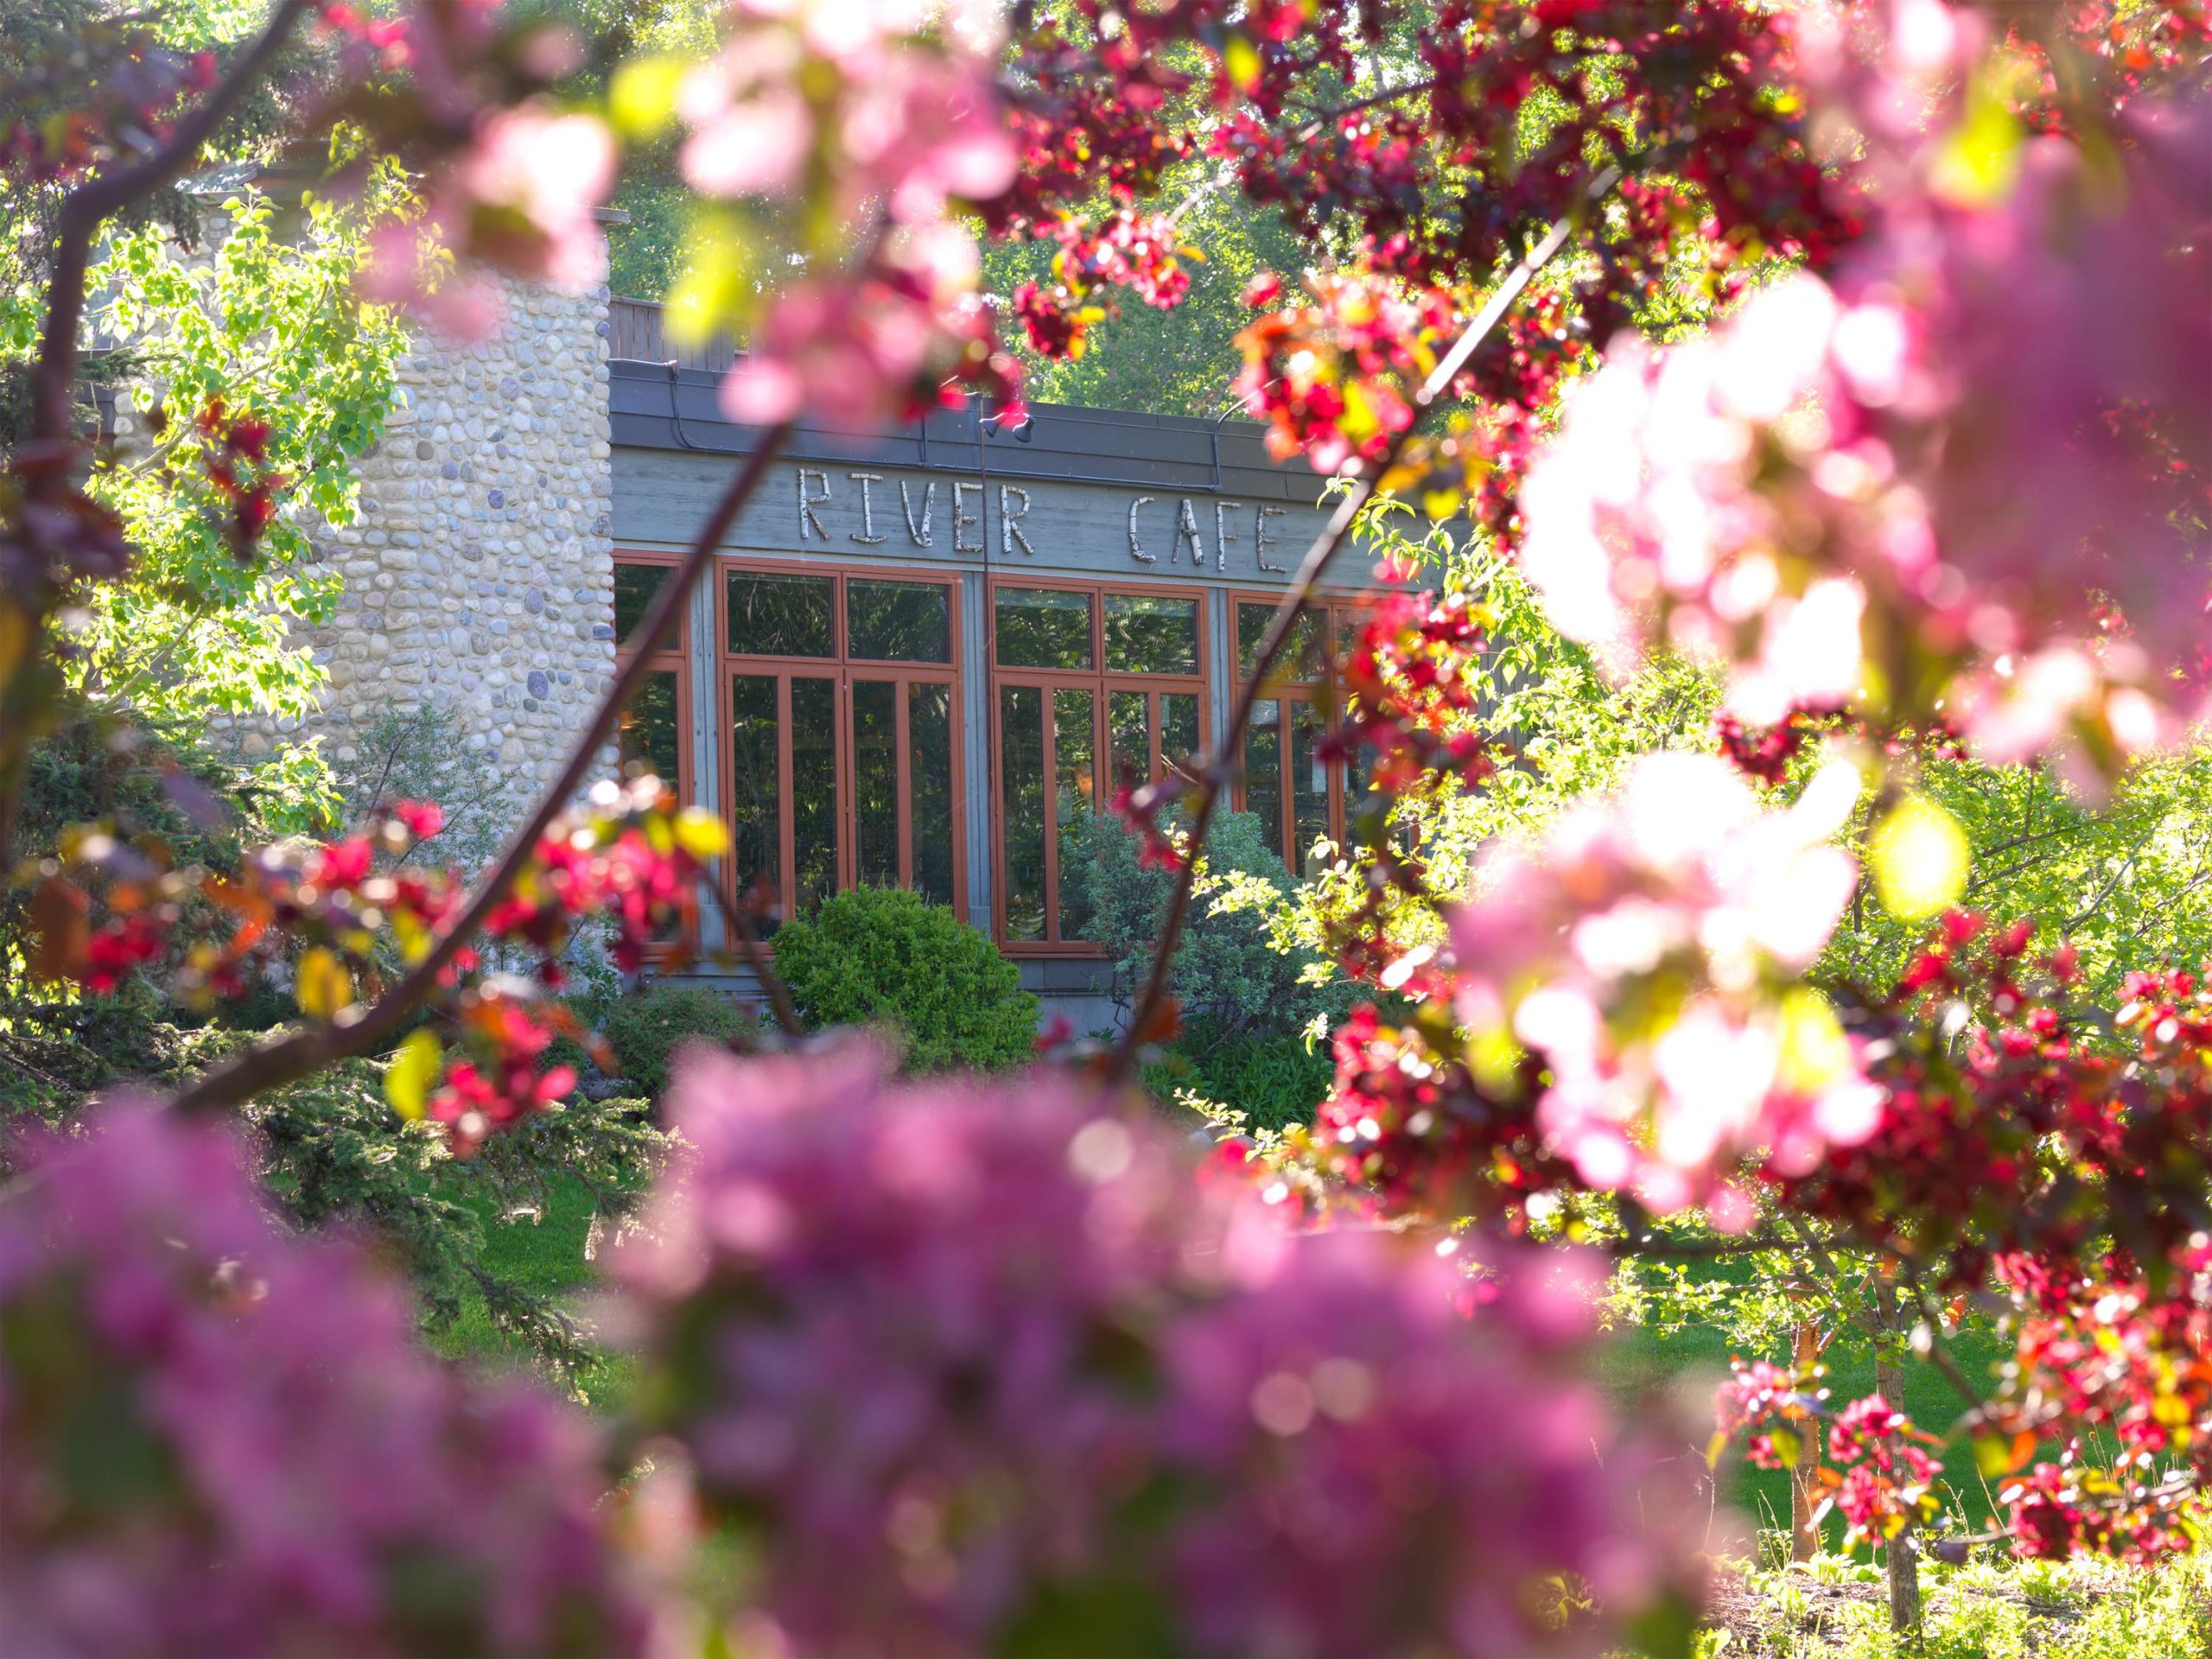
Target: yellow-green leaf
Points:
(324, 986)
(641, 98)
(701, 834)
(414, 1069)
(1714, 1447)
(1919, 856)
(1786, 1444)
(1979, 160)
(1242, 59)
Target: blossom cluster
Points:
(1646, 952)
(832, 113)
(1879, 1477)
(1418, 175)
(335, 921)
(971, 1363)
(218, 1438)
(1867, 493)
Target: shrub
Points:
(1230, 975)
(885, 956)
(644, 1027)
(1273, 1078)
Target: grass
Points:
(545, 1256)
(1991, 1608)
(1640, 1362)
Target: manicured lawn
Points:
(1639, 1362)
(547, 1256)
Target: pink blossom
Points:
(1644, 949)
(1967, 480)
(219, 1437)
(968, 1360)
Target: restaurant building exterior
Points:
(920, 659)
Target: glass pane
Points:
(781, 616)
(1042, 628)
(1263, 772)
(1146, 633)
(758, 853)
(1301, 662)
(1309, 786)
(634, 588)
(898, 621)
(875, 782)
(1021, 785)
(814, 790)
(1129, 735)
(929, 753)
(1179, 727)
(1075, 797)
(648, 736)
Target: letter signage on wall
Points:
(1040, 523)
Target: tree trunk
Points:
(1804, 1531)
(1901, 1560)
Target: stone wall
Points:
(479, 574)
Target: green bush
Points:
(885, 956)
(1229, 976)
(1273, 1078)
(644, 1027)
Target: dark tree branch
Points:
(1220, 762)
(296, 1056)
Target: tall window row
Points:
(1094, 688)
(1299, 795)
(838, 699)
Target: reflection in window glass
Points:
(814, 790)
(1042, 628)
(929, 743)
(1129, 735)
(1178, 729)
(1021, 787)
(757, 853)
(649, 736)
(1301, 662)
(634, 588)
(1150, 633)
(898, 621)
(875, 782)
(1263, 770)
(1309, 787)
(1075, 797)
(781, 616)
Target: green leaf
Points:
(414, 1069)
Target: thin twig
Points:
(1219, 761)
(303, 1052)
(758, 959)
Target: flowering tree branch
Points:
(83, 212)
(308, 1050)
(1219, 768)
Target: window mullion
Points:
(1048, 716)
(902, 715)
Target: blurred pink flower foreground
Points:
(985, 1365)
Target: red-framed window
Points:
(652, 731)
(1299, 795)
(652, 734)
(1088, 680)
(840, 703)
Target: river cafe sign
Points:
(972, 515)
